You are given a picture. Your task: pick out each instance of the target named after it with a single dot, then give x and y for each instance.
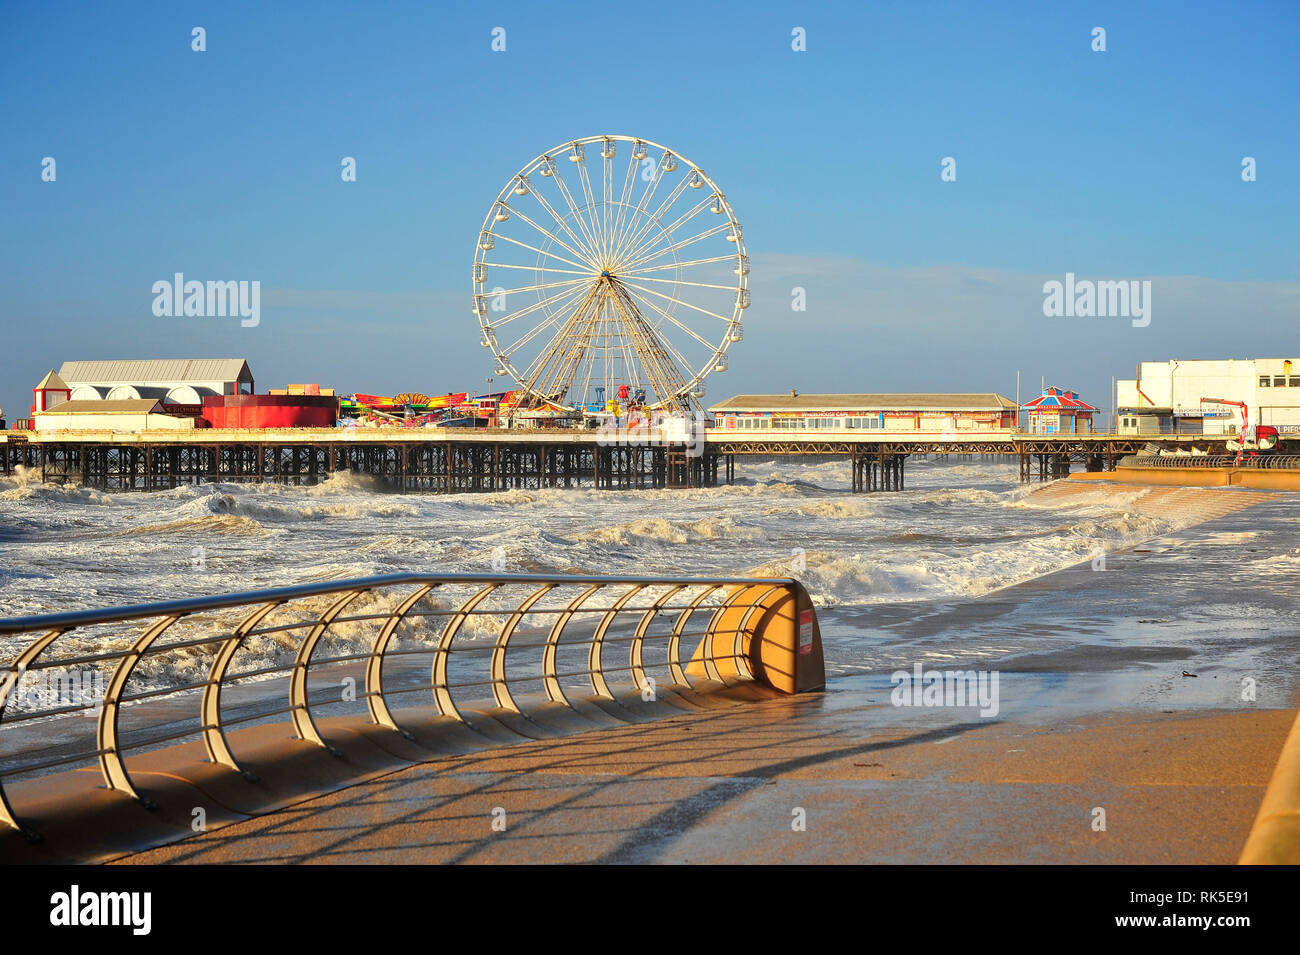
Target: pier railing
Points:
(398, 650)
(1276, 462)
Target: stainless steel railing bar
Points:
(204, 641)
(191, 605)
(22, 715)
(119, 654)
(677, 599)
(50, 763)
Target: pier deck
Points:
(454, 459)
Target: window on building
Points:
(1294, 381)
(1279, 381)
(1264, 381)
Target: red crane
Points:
(1253, 438)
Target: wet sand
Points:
(728, 787)
(1214, 598)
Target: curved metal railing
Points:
(165, 659)
(1261, 461)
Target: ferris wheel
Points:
(610, 267)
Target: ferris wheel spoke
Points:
(677, 357)
(689, 331)
(591, 364)
(548, 350)
(533, 248)
(619, 220)
(560, 221)
(509, 350)
(668, 345)
(625, 199)
(550, 235)
(681, 265)
(646, 231)
(663, 375)
(646, 195)
(668, 230)
(492, 266)
(630, 365)
(530, 372)
(653, 254)
(585, 242)
(684, 304)
(585, 179)
(653, 218)
(558, 365)
(540, 304)
(725, 288)
(666, 364)
(578, 218)
(546, 285)
(678, 245)
(607, 207)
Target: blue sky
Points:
(225, 165)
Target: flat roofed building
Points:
(137, 414)
(1168, 397)
(938, 413)
(174, 381)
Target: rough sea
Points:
(877, 565)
